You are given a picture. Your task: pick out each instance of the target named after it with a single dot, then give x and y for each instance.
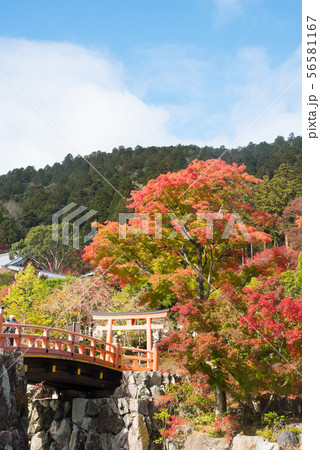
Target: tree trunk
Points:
(221, 402)
(256, 405)
(286, 241)
(200, 277)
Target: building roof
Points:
(15, 261)
(50, 275)
(4, 259)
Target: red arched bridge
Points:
(70, 360)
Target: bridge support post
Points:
(155, 356)
(116, 357)
(149, 340)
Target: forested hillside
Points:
(29, 197)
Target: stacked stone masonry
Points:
(122, 421)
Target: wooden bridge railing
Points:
(34, 340)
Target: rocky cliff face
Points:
(13, 402)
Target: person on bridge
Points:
(10, 329)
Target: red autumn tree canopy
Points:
(200, 217)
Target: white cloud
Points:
(226, 10)
(79, 91)
(213, 98)
(256, 86)
(165, 96)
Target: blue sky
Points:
(145, 72)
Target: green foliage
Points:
(162, 416)
(267, 433)
(274, 425)
(272, 419)
(193, 404)
(198, 422)
(24, 296)
(9, 231)
(292, 280)
(273, 195)
(48, 253)
(6, 279)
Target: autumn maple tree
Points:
(185, 246)
(199, 218)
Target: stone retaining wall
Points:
(122, 421)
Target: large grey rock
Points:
(67, 409)
(105, 441)
(113, 405)
(33, 426)
(120, 391)
(155, 379)
(6, 389)
(139, 405)
(127, 420)
(264, 444)
(54, 446)
(132, 390)
(59, 414)
(241, 442)
(40, 441)
(93, 441)
(108, 421)
(88, 423)
(205, 442)
(94, 406)
(123, 406)
(126, 375)
(55, 405)
(63, 432)
(138, 436)
(78, 409)
(54, 427)
(77, 439)
(132, 379)
(45, 419)
(6, 439)
(45, 403)
(140, 377)
(143, 392)
(166, 378)
(120, 441)
(287, 439)
(171, 445)
(34, 416)
(156, 390)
